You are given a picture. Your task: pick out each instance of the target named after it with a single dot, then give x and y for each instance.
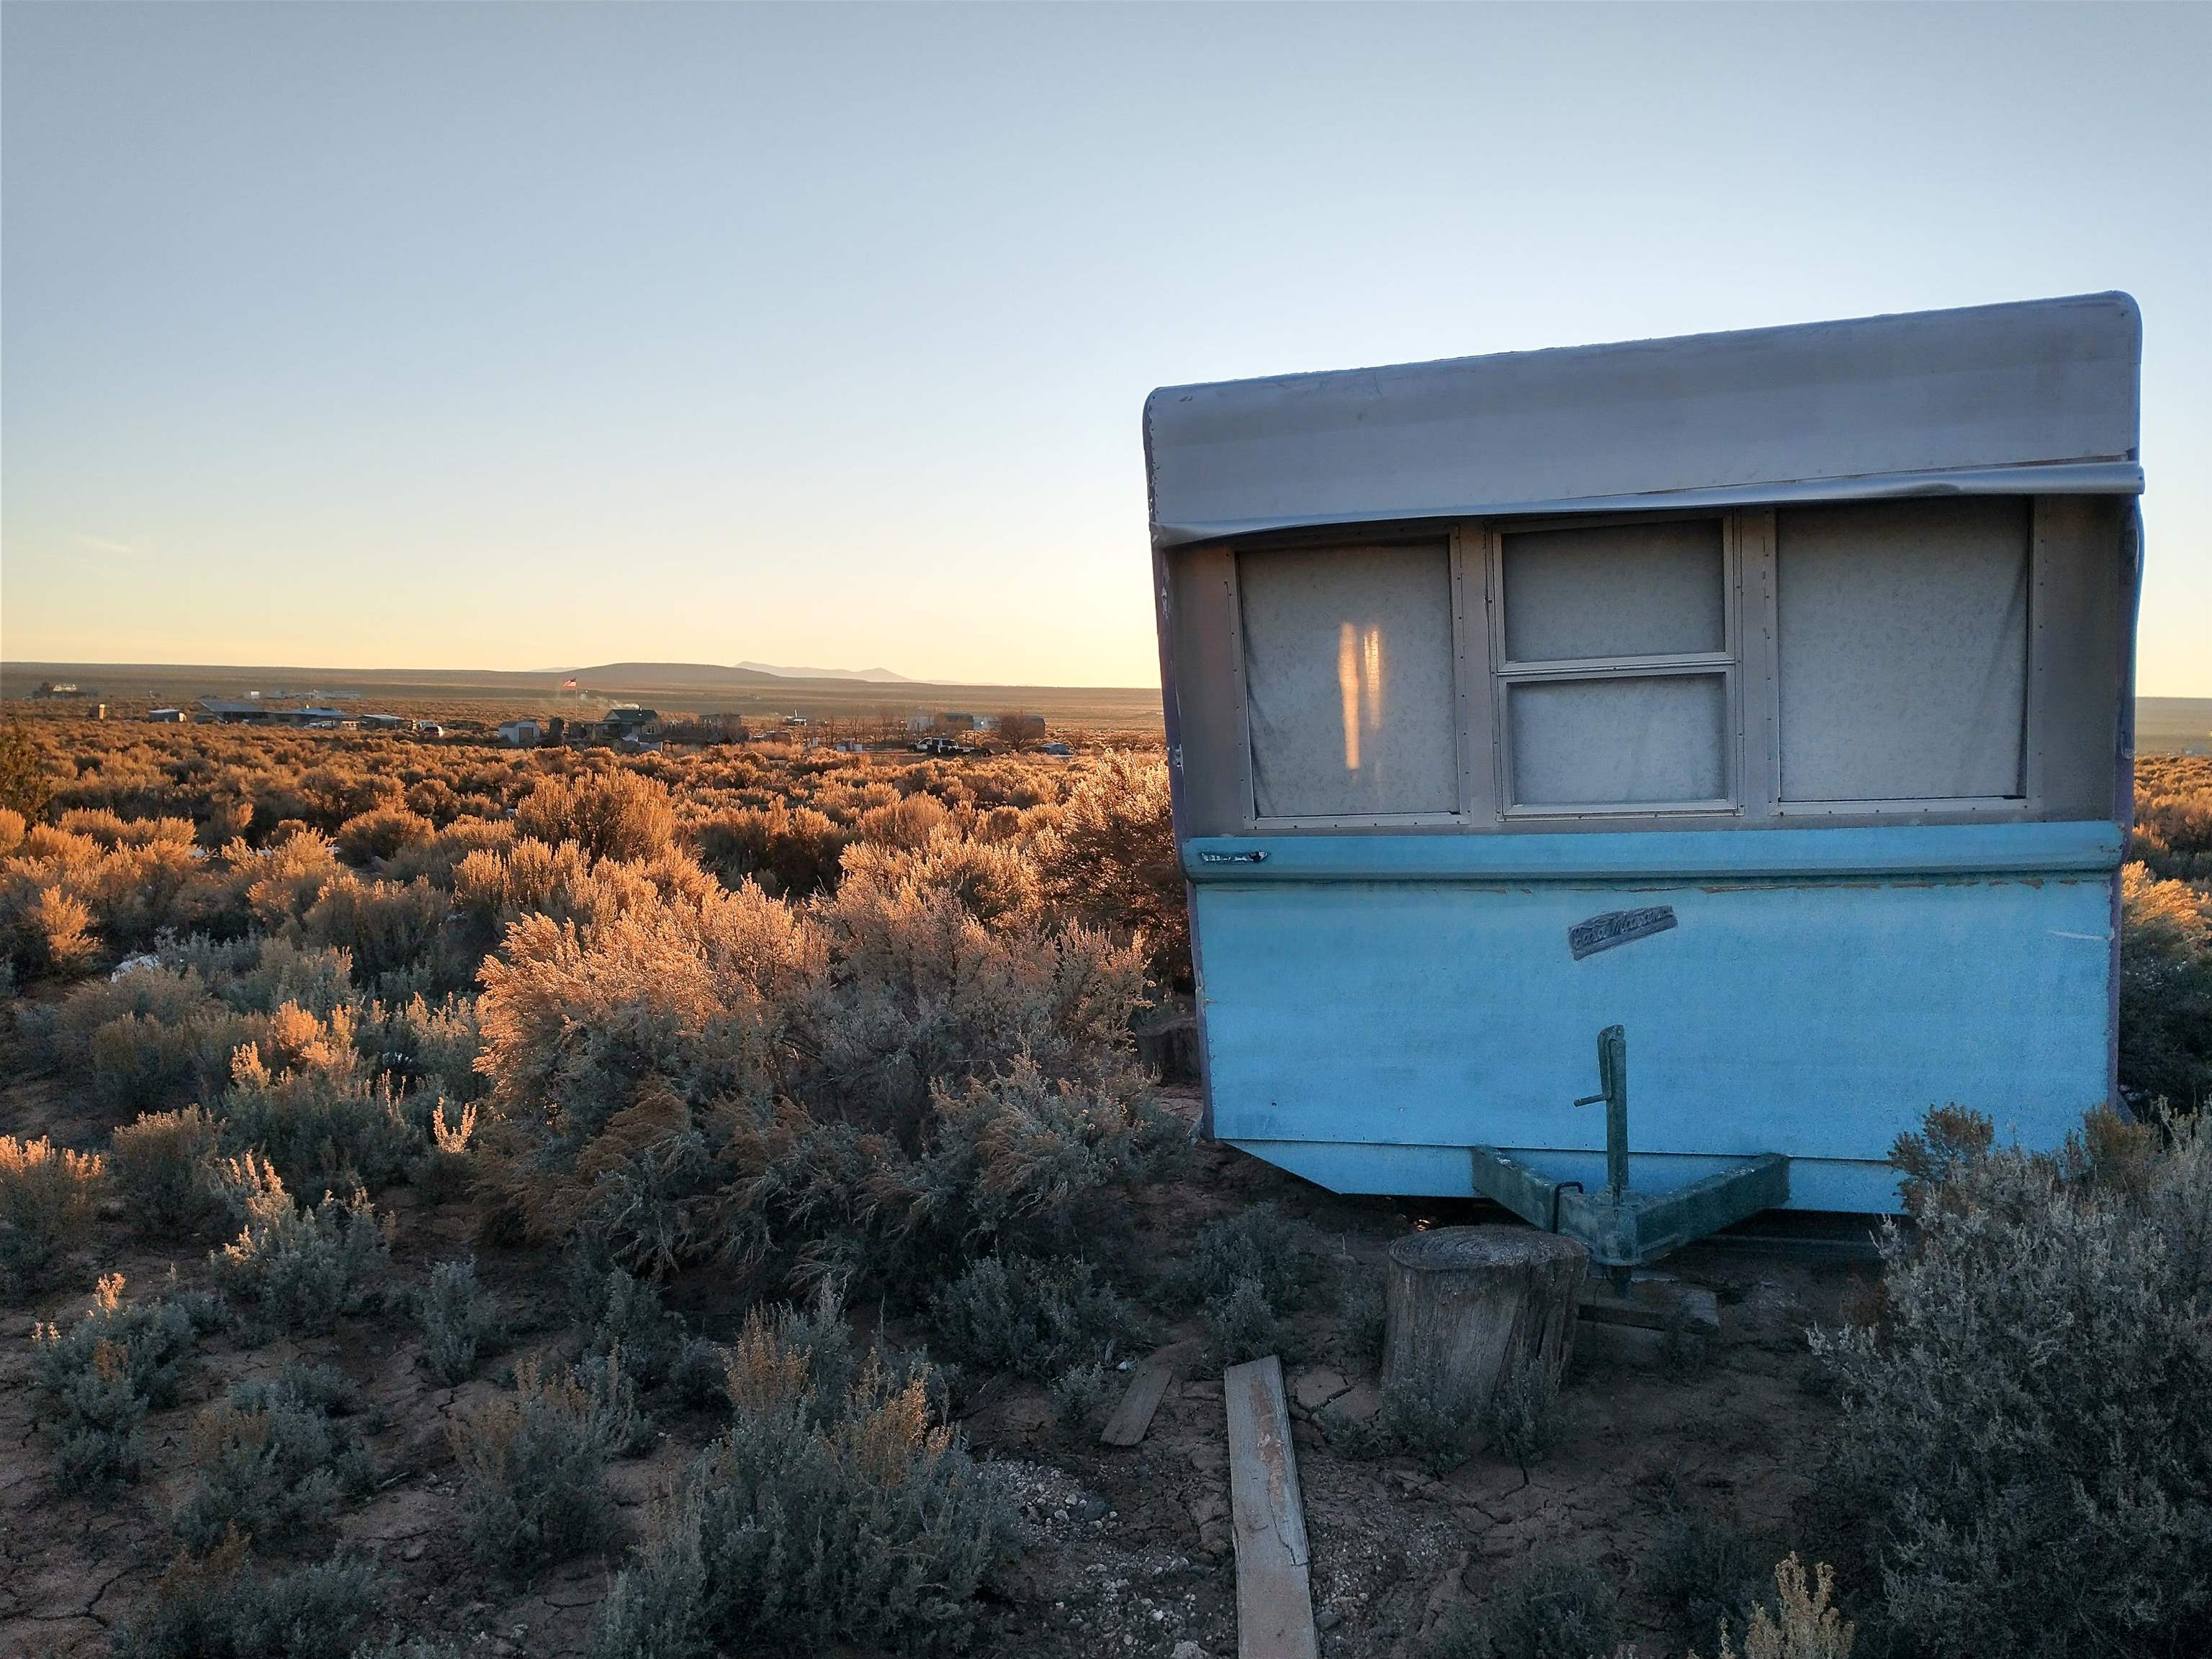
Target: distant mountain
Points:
(708, 673)
(879, 676)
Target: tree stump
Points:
(1467, 1306)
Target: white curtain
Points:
(1904, 649)
(1349, 681)
(1634, 740)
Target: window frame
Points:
(1748, 665)
(1725, 664)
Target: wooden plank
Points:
(1274, 1597)
(1655, 1305)
(1148, 1384)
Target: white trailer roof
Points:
(2032, 398)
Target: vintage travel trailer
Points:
(1637, 782)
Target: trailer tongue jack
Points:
(1622, 1227)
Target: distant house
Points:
(59, 689)
(520, 734)
(382, 722)
(630, 720)
(953, 720)
(794, 720)
(1060, 749)
(919, 723)
(235, 711)
(165, 716)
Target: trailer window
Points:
(1349, 681)
(1615, 659)
(1903, 650)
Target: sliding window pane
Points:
(1348, 681)
(1640, 739)
(1615, 590)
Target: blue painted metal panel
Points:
(1901, 849)
(1363, 1032)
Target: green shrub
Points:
(104, 1373)
(216, 1607)
(1522, 1416)
(2166, 989)
(46, 1208)
(622, 1319)
(2023, 1435)
(163, 1167)
(815, 1523)
(322, 1124)
(302, 1269)
(457, 1317)
(534, 1470)
(1557, 1607)
(272, 1462)
(1083, 1395)
(1254, 1243)
(1244, 1324)
(1713, 1573)
(1037, 1319)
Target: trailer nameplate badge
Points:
(1255, 856)
(1587, 938)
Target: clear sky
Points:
(529, 336)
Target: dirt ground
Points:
(1128, 1549)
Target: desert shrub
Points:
(1522, 1415)
(1712, 1572)
(104, 1373)
(1801, 1624)
(1254, 1243)
(815, 1521)
(457, 1317)
(272, 1461)
(1037, 1319)
(444, 1170)
(1244, 1324)
(321, 1122)
(2022, 1436)
(610, 814)
(27, 776)
(379, 833)
(623, 1318)
(534, 1467)
(1556, 1607)
(217, 1606)
(1083, 1395)
(698, 1374)
(1366, 1315)
(2166, 989)
(302, 1269)
(162, 1166)
(1111, 861)
(434, 1044)
(46, 1207)
(788, 851)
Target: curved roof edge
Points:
(2041, 396)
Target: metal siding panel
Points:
(1817, 1018)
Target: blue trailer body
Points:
(1380, 991)
(1813, 996)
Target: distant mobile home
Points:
(1733, 729)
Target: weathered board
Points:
(1148, 1384)
(1274, 1596)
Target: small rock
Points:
(1091, 1507)
(1327, 1618)
(1190, 1650)
(413, 1552)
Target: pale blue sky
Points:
(525, 336)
